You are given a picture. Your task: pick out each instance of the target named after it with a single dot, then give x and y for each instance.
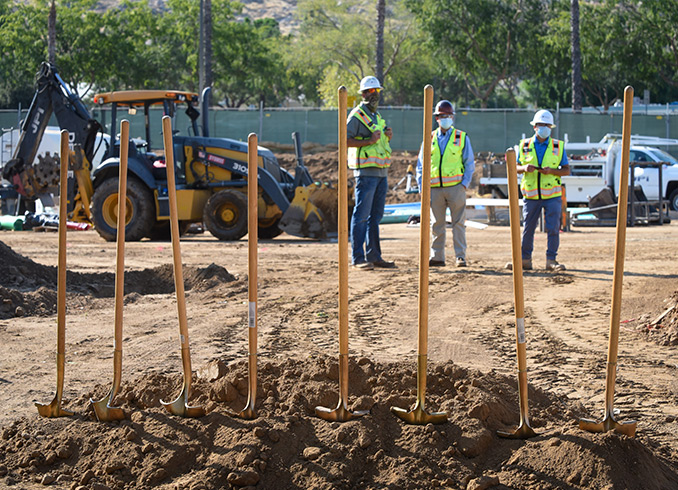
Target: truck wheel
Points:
(140, 210)
(673, 200)
(225, 215)
(268, 229)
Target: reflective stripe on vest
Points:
(535, 185)
(377, 155)
(447, 169)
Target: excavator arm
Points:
(52, 95)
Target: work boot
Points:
(461, 262)
(552, 265)
(384, 264)
(436, 263)
(527, 265)
(366, 266)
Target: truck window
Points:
(662, 156)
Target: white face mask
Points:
(543, 131)
(445, 122)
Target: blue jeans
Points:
(531, 211)
(370, 198)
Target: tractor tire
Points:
(269, 231)
(140, 210)
(225, 215)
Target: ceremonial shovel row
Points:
(418, 414)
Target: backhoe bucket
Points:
(312, 213)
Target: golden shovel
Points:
(418, 414)
(609, 423)
(180, 405)
(102, 408)
(249, 411)
(54, 408)
(524, 430)
(342, 412)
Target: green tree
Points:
(482, 41)
(337, 45)
(657, 20)
(20, 50)
(248, 64)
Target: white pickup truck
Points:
(599, 168)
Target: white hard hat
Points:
(544, 117)
(368, 83)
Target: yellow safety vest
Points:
(447, 169)
(377, 155)
(536, 185)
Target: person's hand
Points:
(530, 168)
(388, 132)
(375, 137)
(546, 170)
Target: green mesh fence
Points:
(489, 130)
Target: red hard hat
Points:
(444, 107)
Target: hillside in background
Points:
(280, 10)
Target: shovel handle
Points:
(176, 247)
(424, 226)
(61, 265)
(342, 215)
(620, 240)
(252, 239)
(120, 236)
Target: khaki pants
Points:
(442, 198)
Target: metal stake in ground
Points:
(342, 412)
(102, 408)
(524, 430)
(418, 414)
(249, 411)
(54, 409)
(180, 405)
(609, 423)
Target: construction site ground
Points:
(472, 369)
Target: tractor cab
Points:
(133, 101)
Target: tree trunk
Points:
(207, 53)
(205, 48)
(381, 14)
(576, 57)
(51, 34)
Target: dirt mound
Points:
(288, 447)
(29, 288)
(662, 326)
(323, 168)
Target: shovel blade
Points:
(626, 428)
(418, 416)
(339, 414)
(106, 413)
(523, 431)
(181, 408)
(52, 410)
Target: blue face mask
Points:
(543, 132)
(445, 123)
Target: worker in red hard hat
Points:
(369, 156)
(542, 161)
(452, 167)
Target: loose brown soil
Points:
(471, 365)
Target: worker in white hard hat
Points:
(452, 167)
(542, 161)
(369, 156)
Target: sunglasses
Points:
(372, 91)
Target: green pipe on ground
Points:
(15, 223)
